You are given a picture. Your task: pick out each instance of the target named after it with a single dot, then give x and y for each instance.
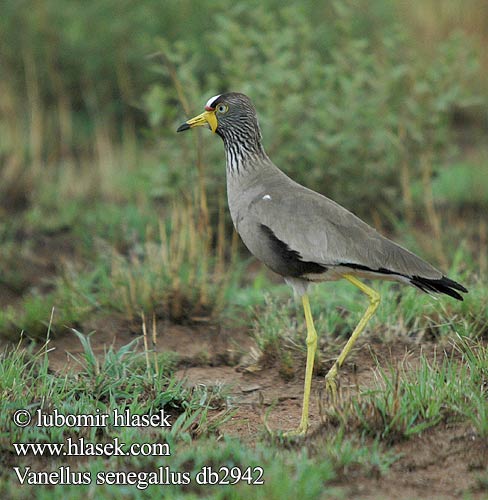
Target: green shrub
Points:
(344, 97)
(345, 119)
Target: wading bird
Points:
(302, 235)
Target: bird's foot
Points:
(299, 432)
(331, 383)
(279, 435)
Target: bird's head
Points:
(229, 115)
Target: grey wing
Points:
(321, 231)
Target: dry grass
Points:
(179, 274)
(435, 20)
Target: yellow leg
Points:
(374, 300)
(311, 348)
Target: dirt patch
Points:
(257, 397)
(443, 462)
(263, 395)
(204, 344)
(447, 461)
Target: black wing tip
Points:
(443, 285)
(454, 284)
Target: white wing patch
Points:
(211, 100)
(266, 197)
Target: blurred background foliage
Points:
(345, 90)
(381, 105)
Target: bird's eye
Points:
(222, 108)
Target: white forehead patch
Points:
(211, 101)
(266, 197)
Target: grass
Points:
(119, 381)
(130, 263)
(407, 400)
(305, 475)
(403, 402)
(451, 186)
(126, 261)
(177, 271)
(279, 326)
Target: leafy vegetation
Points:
(349, 89)
(332, 102)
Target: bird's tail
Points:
(443, 285)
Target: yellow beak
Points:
(206, 118)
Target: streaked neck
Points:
(243, 156)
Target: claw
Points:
(300, 431)
(331, 384)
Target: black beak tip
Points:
(183, 127)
